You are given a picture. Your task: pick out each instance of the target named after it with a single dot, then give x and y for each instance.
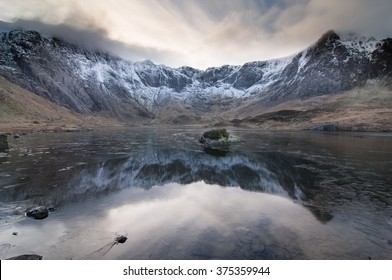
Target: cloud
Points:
(360, 16)
(95, 38)
(206, 32)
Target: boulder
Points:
(38, 212)
(121, 239)
(216, 135)
(217, 142)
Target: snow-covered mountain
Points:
(89, 82)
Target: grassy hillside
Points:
(367, 108)
(22, 110)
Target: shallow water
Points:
(274, 195)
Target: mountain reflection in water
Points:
(275, 195)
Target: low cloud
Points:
(94, 38)
(200, 33)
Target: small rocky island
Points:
(217, 135)
(217, 141)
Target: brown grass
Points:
(368, 108)
(23, 111)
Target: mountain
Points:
(93, 82)
(22, 110)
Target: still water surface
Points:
(274, 195)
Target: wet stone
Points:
(121, 239)
(38, 212)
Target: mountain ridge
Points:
(24, 111)
(90, 82)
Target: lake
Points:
(273, 195)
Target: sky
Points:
(200, 33)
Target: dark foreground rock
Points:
(121, 239)
(38, 212)
(27, 257)
(3, 143)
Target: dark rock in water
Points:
(38, 212)
(121, 239)
(215, 142)
(3, 143)
(27, 257)
(215, 134)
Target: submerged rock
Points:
(38, 212)
(3, 143)
(27, 257)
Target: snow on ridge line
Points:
(357, 42)
(276, 66)
(103, 69)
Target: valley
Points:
(342, 83)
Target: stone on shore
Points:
(38, 212)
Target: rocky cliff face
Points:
(91, 82)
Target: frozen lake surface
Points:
(274, 195)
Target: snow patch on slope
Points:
(303, 60)
(271, 73)
(357, 43)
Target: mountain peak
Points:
(89, 82)
(359, 43)
(327, 37)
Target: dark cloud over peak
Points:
(200, 33)
(95, 39)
